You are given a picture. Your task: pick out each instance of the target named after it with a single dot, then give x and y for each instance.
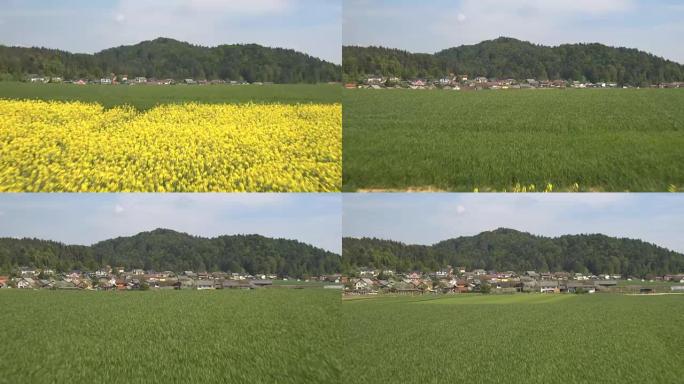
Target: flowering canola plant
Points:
(82, 147)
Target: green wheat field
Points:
(144, 97)
(536, 140)
(532, 338)
(225, 336)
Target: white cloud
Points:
(118, 209)
(119, 17)
(460, 209)
(461, 18)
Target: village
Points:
(114, 79)
(459, 281)
(119, 279)
(465, 83)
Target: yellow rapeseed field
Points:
(81, 147)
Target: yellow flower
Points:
(69, 147)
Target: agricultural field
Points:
(226, 336)
(532, 140)
(147, 97)
(531, 338)
(213, 146)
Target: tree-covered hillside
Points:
(511, 58)
(507, 249)
(164, 249)
(168, 58)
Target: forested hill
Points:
(510, 58)
(164, 249)
(167, 58)
(507, 249)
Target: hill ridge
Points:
(507, 57)
(509, 249)
(166, 249)
(165, 57)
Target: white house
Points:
(25, 283)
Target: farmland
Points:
(555, 140)
(233, 142)
(147, 97)
(518, 338)
(261, 336)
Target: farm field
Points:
(57, 146)
(262, 336)
(518, 338)
(147, 97)
(556, 140)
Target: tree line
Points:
(164, 249)
(507, 249)
(167, 58)
(510, 58)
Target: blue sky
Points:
(310, 26)
(427, 218)
(88, 218)
(428, 26)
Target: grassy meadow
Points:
(574, 140)
(518, 338)
(146, 97)
(226, 336)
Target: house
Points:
(237, 284)
(481, 80)
(442, 273)
(37, 79)
(532, 274)
(101, 273)
(190, 81)
(444, 81)
(577, 286)
(331, 278)
(374, 80)
(27, 272)
(461, 286)
(205, 284)
(80, 82)
(105, 81)
(140, 80)
(26, 283)
(479, 272)
(548, 286)
(138, 272)
(414, 275)
(384, 284)
(363, 284)
(403, 288)
(121, 285)
(3, 281)
(61, 284)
